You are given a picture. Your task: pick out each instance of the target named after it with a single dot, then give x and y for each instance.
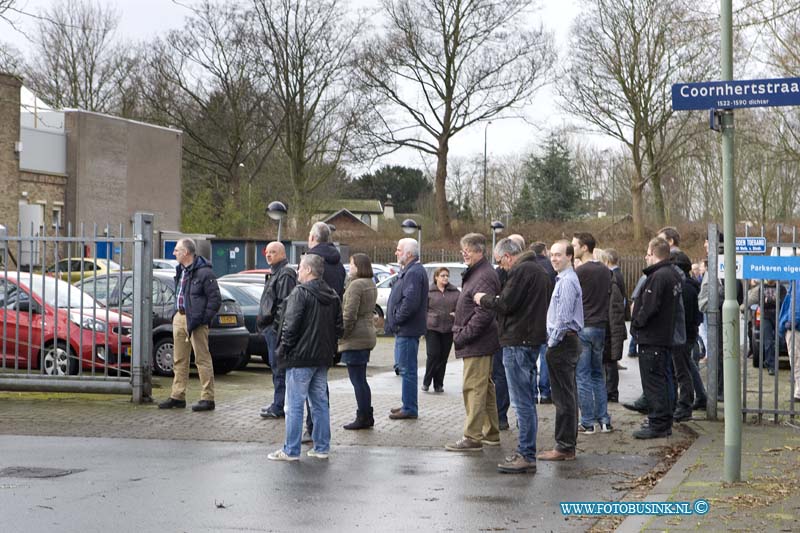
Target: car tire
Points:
(164, 356)
(58, 360)
(377, 318)
(224, 366)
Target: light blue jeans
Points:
(311, 383)
(520, 364)
(591, 378)
(405, 353)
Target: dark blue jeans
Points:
(278, 376)
(520, 365)
(405, 355)
(358, 377)
(500, 386)
(768, 340)
(544, 374)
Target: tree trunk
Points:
(637, 208)
(658, 200)
(442, 211)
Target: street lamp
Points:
(276, 211)
(409, 225)
(497, 229)
(485, 129)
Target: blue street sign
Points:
(778, 268)
(751, 245)
(736, 94)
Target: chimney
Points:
(388, 208)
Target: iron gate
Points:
(57, 337)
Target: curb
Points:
(667, 484)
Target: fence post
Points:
(142, 337)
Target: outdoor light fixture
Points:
(497, 228)
(409, 225)
(277, 211)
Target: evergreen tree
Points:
(551, 191)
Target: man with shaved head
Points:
(277, 286)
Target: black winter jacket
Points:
(334, 274)
(654, 310)
(617, 331)
(310, 327)
(691, 288)
(521, 306)
(545, 263)
(201, 298)
(277, 286)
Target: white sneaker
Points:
(280, 455)
(606, 428)
(319, 455)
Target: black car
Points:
(248, 295)
(227, 337)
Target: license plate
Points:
(129, 351)
(227, 320)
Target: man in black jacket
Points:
(310, 327)
(319, 244)
(277, 286)
(521, 309)
(682, 354)
(653, 326)
(197, 301)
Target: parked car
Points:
(72, 269)
(165, 264)
(227, 337)
(67, 329)
(248, 296)
(379, 273)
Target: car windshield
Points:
(58, 293)
(244, 294)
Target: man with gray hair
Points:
(475, 339)
(309, 330)
(522, 315)
(197, 300)
(319, 243)
(406, 316)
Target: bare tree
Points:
(305, 51)
(625, 56)
(441, 66)
(200, 79)
(78, 62)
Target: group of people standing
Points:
(530, 317)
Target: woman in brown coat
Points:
(442, 298)
(359, 335)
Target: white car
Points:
(385, 286)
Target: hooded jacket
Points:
(201, 297)
(334, 274)
(278, 284)
(310, 327)
(522, 304)
(654, 311)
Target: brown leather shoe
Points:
(402, 415)
(555, 455)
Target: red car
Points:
(48, 325)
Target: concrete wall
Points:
(9, 160)
(118, 167)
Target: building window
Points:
(56, 216)
(366, 219)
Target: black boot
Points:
(370, 418)
(361, 421)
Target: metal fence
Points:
(56, 336)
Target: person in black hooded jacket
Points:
(310, 328)
(319, 244)
(682, 355)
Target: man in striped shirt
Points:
(564, 321)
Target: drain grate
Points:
(33, 472)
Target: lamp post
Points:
(409, 225)
(485, 130)
(497, 228)
(276, 211)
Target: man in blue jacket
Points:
(197, 301)
(789, 327)
(406, 320)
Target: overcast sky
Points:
(144, 19)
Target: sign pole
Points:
(730, 308)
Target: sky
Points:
(145, 19)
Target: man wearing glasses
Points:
(197, 300)
(476, 340)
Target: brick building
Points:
(73, 167)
